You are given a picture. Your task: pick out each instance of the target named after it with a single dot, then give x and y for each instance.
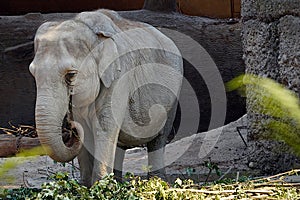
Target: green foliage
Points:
(156, 188)
(20, 193)
(274, 100)
(62, 188)
(109, 188)
(212, 166)
(137, 189)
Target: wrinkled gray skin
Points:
(101, 60)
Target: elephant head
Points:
(66, 70)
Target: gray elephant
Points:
(104, 84)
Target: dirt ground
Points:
(185, 158)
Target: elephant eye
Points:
(70, 77)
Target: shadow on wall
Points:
(208, 8)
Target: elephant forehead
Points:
(52, 63)
(57, 41)
(70, 31)
(61, 53)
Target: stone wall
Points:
(271, 45)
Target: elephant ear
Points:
(99, 23)
(109, 67)
(106, 53)
(102, 23)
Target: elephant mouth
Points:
(69, 132)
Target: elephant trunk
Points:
(61, 144)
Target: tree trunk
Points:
(160, 5)
(10, 145)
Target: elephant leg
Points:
(105, 150)
(85, 156)
(156, 149)
(118, 164)
(86, 160)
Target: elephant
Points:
(104, 84)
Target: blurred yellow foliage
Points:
(20, 158)
(274, 100)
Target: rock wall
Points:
(271, 32)
(220, 39)
(271, 45)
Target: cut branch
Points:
(10, 145)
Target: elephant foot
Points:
(118, 175)
(86, 182)
(161, 173)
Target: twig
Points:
(20, 130)
(229, 197)
(264, 196)
(259, 191)
(277, 185)
(238, 130)
(72, 169)
(207, 176)
(237, 177)
(230, 168)
(214, 192)
(73, 165)
(25, 182)
(47, 172)
(182, 174)
(277, 175)
(8, 131)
